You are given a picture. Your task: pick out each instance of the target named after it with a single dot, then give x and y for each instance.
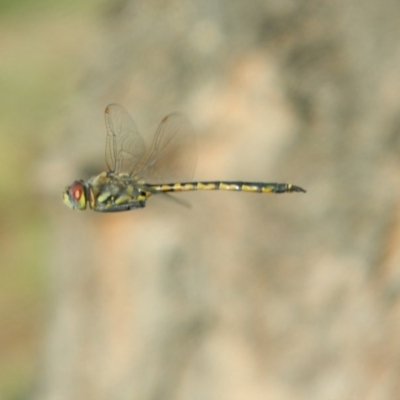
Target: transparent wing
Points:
(172, 155)
(124, 145)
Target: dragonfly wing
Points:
(124, 145)
(172, 155)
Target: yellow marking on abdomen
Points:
(267, 189)
(227, 186)
(187, 186)
(165, 188)
(250, 188)
(208, 186)
(143, 196)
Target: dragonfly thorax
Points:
(111, 191)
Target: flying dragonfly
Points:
(136, 173)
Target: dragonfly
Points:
(135, 173)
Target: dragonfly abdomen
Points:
(252, 187)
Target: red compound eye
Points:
(76, 190)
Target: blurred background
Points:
(243, 296)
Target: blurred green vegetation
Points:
(21, 7)
(40, 48)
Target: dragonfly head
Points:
(75, 197)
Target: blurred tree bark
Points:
(244, 296)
